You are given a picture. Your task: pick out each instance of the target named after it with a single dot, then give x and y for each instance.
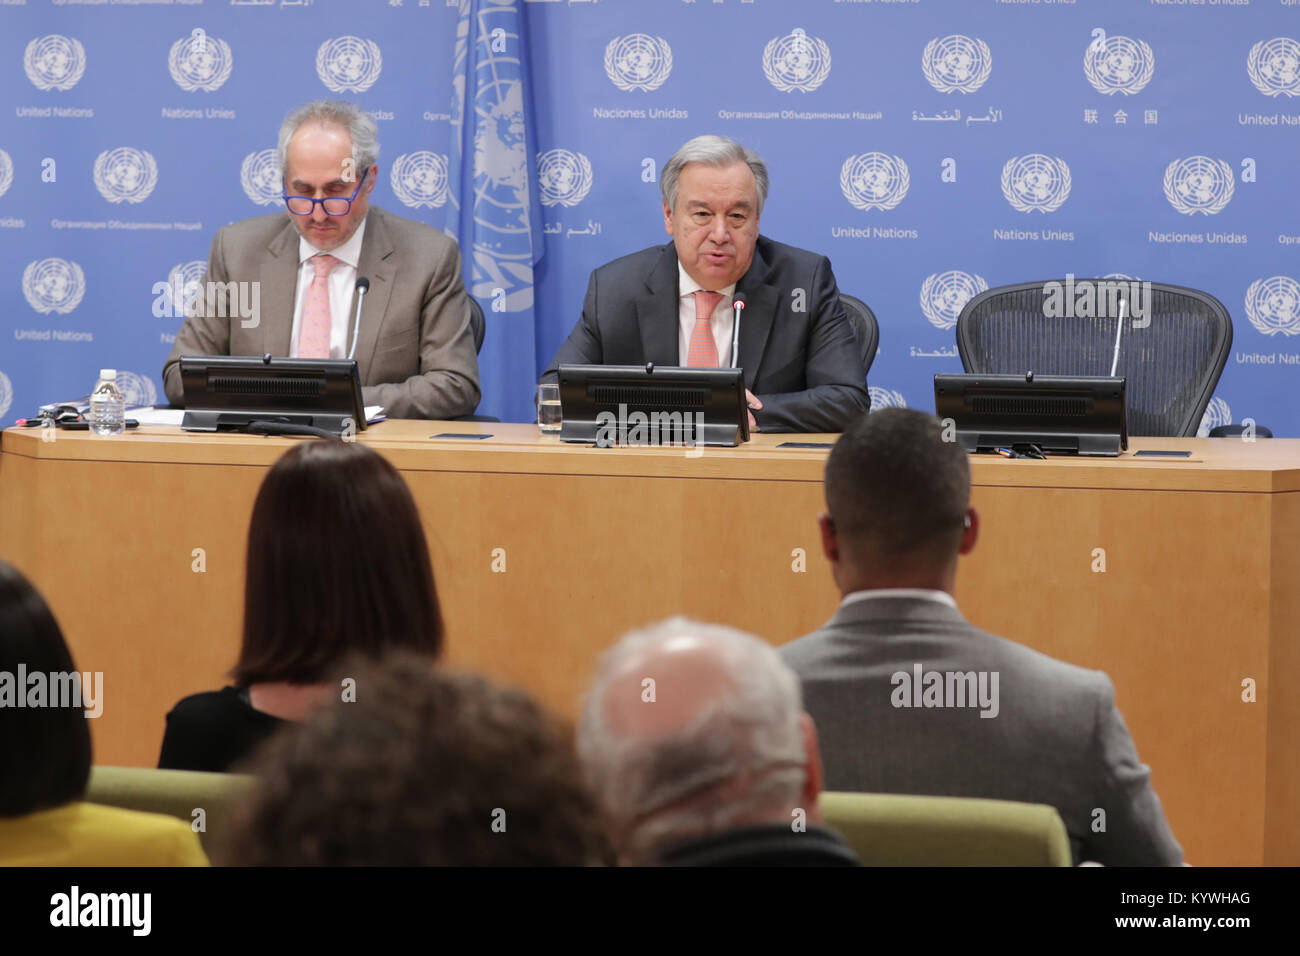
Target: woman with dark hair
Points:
(337, 566)
(45, 755)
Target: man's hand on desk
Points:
(753, 402)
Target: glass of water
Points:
(548, 408)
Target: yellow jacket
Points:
(88, 834)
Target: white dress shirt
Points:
(920, 594)
(720, 322)
(342, 283)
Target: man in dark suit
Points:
(909, 697)
(415, 352)
(672, 304)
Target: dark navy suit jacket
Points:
(799, 351)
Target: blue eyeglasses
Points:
(333, 205)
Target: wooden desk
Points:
(1199, 592)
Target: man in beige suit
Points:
(415, 351)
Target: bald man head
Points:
(691, 729)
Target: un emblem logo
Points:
(6, 394)
(1216, 413)
(885, 398)
(563, 177)
(956, 64)
(874, 180)
(945, 294)
(349, 64)
(54, 62)
(1036, 182)
(259, 174)
(638, 61)
(136, 389)
(796, 62)
(1274, 66)
(200, 62)
(1119, 64)
(6, 172)
(1199, 184)
(125, 174)
(1273, 305)
(420, 178)
(186, 280)
(53, 285)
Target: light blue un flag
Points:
(493, 210)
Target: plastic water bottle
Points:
(107, 407)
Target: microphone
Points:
(363, 286)
(737, 304)
(1114, 362)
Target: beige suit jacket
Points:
(415, 353)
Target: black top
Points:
(214, 731)
(773, 845)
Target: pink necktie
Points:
(703, 352)
(314, 332)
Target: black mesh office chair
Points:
(1171, 366)
(478, 326)
(865, 327)
(477, 323)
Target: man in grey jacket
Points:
(908, 697)
(298, 270)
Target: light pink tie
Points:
(703, 351)
(314, 332)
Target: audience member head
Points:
(44, 750)
(693, 729)
(337, 565)
(422, 768)
(898, 500)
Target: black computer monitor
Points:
(652, 405)
(1070, 415)
(243, 393)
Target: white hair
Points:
(712, 151)
(359, 124)
(740, 756)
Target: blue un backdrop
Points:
(931, 148)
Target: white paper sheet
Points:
(172, 416)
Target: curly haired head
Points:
(422, 768)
